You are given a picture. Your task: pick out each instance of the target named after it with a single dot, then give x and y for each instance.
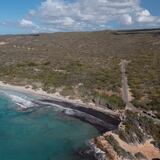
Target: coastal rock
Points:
(97, 152)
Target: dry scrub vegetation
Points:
(86, 65)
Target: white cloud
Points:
(29, 26)
(145, 17)
(85, 14)
(63, 15)
(127, 19)
(67, 21)
(26, 23)
(145, 13)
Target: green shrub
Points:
(120, 151)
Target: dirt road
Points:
(125, 94)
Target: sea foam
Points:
(21, 100)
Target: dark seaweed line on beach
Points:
(102, 121)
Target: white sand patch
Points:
(3, 43)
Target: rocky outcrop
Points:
(110, 146)
(117, 149)
(104, 146)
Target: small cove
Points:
(39, 127)
(40, 133)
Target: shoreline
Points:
(39, 92)
(56, 96)
(103, 120)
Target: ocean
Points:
(39, 133)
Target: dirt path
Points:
(124, 82)
(126, 94)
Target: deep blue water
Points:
(39, 135)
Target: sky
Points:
(34, 16)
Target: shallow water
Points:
(42, 134)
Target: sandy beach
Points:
(55, 96)
(101, 118)
(40, 92)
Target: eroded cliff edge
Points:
(136, 138)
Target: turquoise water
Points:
(40, 135)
